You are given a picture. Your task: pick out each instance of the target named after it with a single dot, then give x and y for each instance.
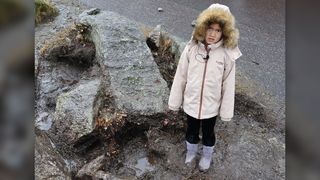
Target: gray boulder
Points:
(53, 79)
(127, 62)
(75, 110)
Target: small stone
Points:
(93, 11)
(92, 167)
(165, 122)
(193, 23)
(273, 140)
(160, 9)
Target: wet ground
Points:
(148, 152)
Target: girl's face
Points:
(213, 34)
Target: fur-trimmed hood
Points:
(221, 14)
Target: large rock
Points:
(126, 60)
(48, 163)
(53, 79)
(75, 110)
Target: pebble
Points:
(160, 9)
(193, 23)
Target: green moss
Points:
(44, 11)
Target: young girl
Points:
(204, 83)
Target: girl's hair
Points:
(225, 19)
(221, 24)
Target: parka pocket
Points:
(220, 63)
(216, 70)
(220, 66)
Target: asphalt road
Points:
(261, 24)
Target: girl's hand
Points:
(225, 119)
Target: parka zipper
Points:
(203, 79)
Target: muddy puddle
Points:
(134, 159)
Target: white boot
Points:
(206, 158)
(192, 150)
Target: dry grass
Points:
(165, 59)
(145, 30)
(44, 11)
(61, 39)
(65, 38)
(165, 44)
(162, 53)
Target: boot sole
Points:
(203, 170)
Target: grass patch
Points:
(71, 45)
(64, 38)
(44, 11)
(165, 45)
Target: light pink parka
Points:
(206, 87)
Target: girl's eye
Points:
(214, 30)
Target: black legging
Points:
(208, 135)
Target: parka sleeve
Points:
(179, 81)
(228, 84)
